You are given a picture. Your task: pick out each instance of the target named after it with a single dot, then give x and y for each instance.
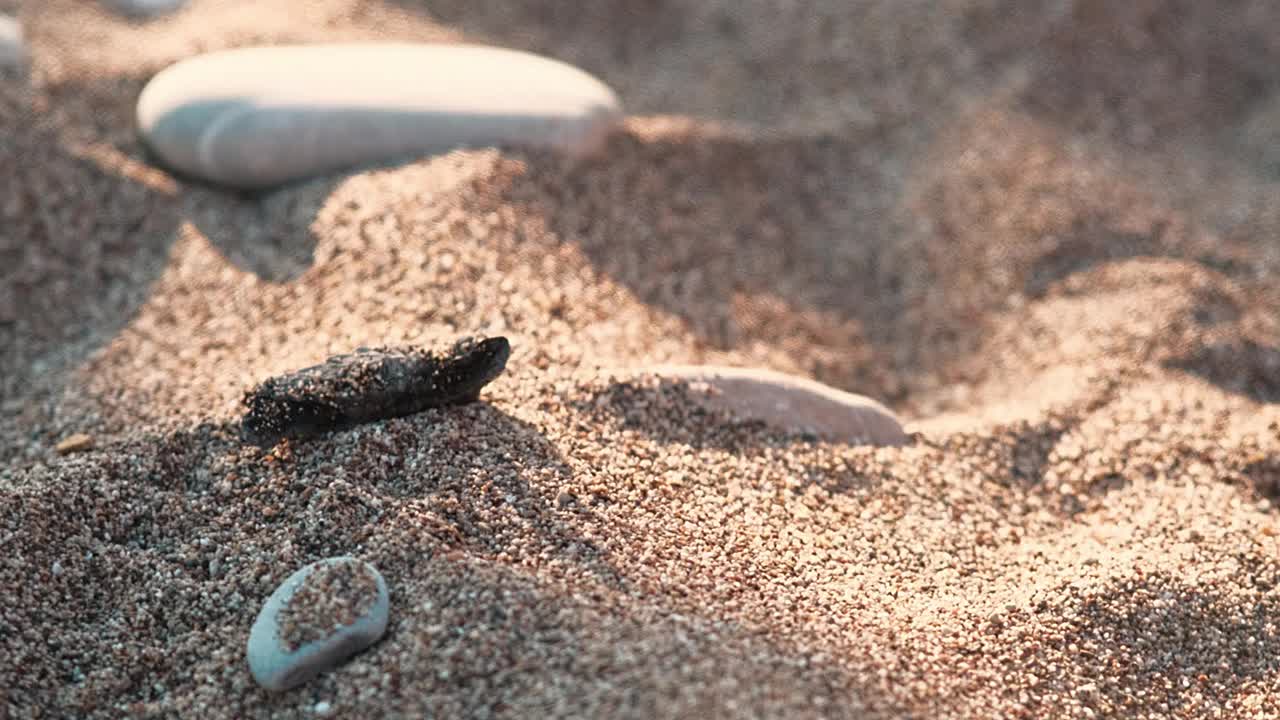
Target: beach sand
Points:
(1046, 233)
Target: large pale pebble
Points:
(13, 51)
(257, 117)
(321, 641)
(791, 402)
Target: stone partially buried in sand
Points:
(320, 616)
(791, 402)
(252, 118)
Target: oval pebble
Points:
(13, 51)
(318, 617)
(793, 402)
(252, 118)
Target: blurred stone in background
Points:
(143, 9)
(13, 52)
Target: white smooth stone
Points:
(792, 402)
(143, 8)
(13, 51)
(275, 668)
(258, 117)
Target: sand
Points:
(1045, 233)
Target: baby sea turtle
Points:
(367, 385)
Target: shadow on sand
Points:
(439, 501)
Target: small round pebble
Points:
(253, 118)
(792, 402)
(13, 51)
(320, 616)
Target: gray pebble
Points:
(275, 666)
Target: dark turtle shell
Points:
(370, 384)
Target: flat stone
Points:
(318, 617)
(792, 402)
(143, 9)
(13, 50)
(253, 118)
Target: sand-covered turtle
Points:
(370, 384)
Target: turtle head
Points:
(473, 363)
